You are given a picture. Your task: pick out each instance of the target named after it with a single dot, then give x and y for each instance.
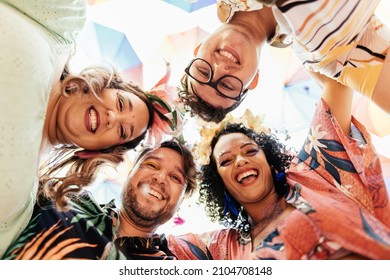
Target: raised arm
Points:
(339, 99)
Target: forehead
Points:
(168, 156)
(229, 141)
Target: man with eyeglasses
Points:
(340, 39)
(226, 91)
(225, 68)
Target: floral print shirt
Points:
(87, 231)
(342, 205)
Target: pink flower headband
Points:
(169, 111)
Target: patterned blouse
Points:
(342, 205)
(87, 231)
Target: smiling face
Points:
(243, 168)
(96, 124)
(155, 188)
(230, 51)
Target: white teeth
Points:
(92, 119)
(228, 56)
(155, 194)
(246, 174)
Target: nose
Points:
(112, 118)
(220, 69)
(241, 161)
(160, 176)
(117, 117)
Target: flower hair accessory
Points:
(168, 117)
(227, 8)
(202, 149)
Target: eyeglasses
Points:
(227, 86)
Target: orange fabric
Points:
(218, 245)
(342, 205)
(338, 187)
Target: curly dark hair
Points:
(212, 189)
(199, 107)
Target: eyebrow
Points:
(242, 146)
(131, 131)
(159, 159)
(130, 103)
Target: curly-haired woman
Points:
(329, 201)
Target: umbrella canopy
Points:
(287, 65)
(99, 44)
(177, 49)
(191, 5)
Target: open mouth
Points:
(156, 194)
(247, 176)
(147, 190)
(228, 56)
(92, 119)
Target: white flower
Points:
(202, 149)
(314, 138)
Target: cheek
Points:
(224, 174)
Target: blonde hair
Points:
(65, 173)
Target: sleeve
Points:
(351, 165)
(220, 244)
(37, 38)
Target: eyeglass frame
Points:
(214, 85)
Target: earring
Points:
(71, 88)
(244, 225)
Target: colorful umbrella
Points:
(191, 5)
(99, 44)
(178, 48)
(288, 66)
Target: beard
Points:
(142, 214)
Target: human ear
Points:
(197, 49)
(255, 81)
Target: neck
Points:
(49, 128)
(49, 133)
(268, 213)
(128, 228)
(261, 23)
